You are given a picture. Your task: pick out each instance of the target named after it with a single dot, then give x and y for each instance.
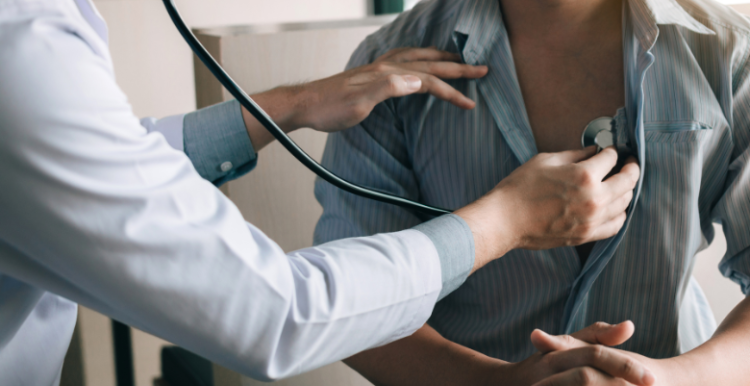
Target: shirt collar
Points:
(647, 15)
(480, 23)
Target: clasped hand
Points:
(583, 358)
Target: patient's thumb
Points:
(545, 342)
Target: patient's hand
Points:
(580, 359)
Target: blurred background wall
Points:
(155, 69)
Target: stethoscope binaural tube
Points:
(280, 136)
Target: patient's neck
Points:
(562, 23)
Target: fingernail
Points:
(648, 378)
(413, 83)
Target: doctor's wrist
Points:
(490, 225)
(284, 105)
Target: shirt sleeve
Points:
(374, 154)
(97, 210)
(733, 208)
(214, 138)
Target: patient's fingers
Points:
(582, 376)
(605, 333)
(597, 333)
(610, 361)
(545, 343)
(600, 164)
(411, 54)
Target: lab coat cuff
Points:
(216, 140)
(454, 242)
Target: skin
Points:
(555, 199)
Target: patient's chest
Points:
(565, 90)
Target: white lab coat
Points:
(95, 210)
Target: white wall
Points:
(155, 69)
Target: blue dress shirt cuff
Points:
(455, 245)
(217, 142)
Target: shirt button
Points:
(226, 166)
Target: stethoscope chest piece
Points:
(598, 132)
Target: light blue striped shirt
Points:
(687, 118)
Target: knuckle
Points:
(586, 179)
(586, 231)
(380, 67)
(568, 340)
(599, 326)
(596, 353)
(627, 366)
(585, 376)
(393, 82)
(593, 205)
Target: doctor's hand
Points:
(580, 359)
(346, 99)
(553, 200)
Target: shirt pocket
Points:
(675, 132)
(671, 186)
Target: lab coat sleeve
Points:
(733, 208)
(97, 210)
(214, 138)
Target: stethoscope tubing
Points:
(277, 133)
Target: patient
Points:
(673, 75)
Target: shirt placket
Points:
(630, 140)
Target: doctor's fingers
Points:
(582, 376)
(624, 181)
(616, 207)
(607, 229)
(444, 70)
(597, 167)
(411, 54)
(390, 85)
(568, 157)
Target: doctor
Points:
(97, 208)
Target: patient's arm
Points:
(426, 358)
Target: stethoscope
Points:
(595, 132)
